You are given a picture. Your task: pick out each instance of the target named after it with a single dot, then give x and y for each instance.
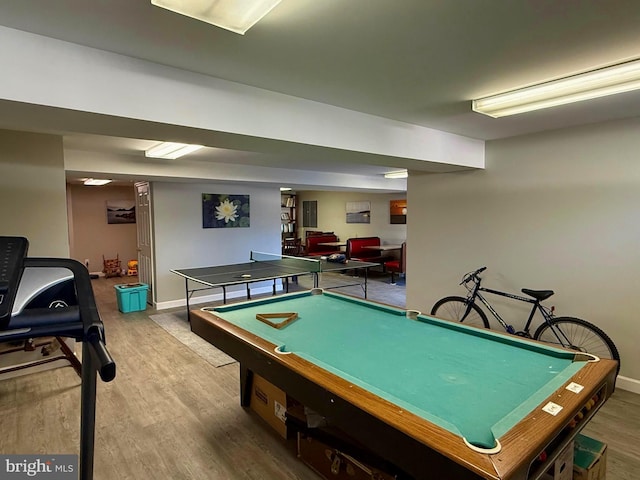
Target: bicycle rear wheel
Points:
(454, 308)
(582, 336)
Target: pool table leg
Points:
(246, 379)
(187, 295)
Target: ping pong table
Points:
(263, 267)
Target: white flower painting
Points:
(225, 211)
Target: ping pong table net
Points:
(285, 261)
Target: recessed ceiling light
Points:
(96, 181)
(171, 150)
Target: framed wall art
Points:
(359, 212)
(121, 211)
(220, 210)
(398, 211)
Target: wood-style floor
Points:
(171, 415)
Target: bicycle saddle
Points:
(538, 294)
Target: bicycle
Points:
(568, 332)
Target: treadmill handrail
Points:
(87, 311)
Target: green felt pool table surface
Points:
(469, 381)
(474, 383)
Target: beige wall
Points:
(180, 241)
(32, 191)
(332, 215)
(91, 235)
(557, 210)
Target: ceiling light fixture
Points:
(397, 174)
(96, 182)
(285, 189)
(235, 15)
(171, 150)
(623, 77)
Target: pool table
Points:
(438, 399)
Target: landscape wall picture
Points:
(121, 211)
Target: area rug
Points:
(177, 325)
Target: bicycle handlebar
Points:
(472, 275)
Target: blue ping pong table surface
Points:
(264, 267)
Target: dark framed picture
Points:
(121, 211)
(220, 210)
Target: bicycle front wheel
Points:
(454, 308)
(580, 335)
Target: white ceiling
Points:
(416, 61)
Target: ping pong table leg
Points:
(248, 291)
(366, 271)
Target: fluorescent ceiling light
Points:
(619, 78)
(171, 150)
(398, 174)
(96, 181)
(235, 15)
(285, 189)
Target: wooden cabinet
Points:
(288, 216)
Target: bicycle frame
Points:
(474, 294)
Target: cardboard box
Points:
(590, 459)
(270, 403)
(562, 468)
(331, 463)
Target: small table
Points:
(383, 248)
(413, 389)
(333, 244)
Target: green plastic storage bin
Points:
(132, 297)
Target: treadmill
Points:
(79, 320)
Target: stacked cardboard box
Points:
(590, 459)
(332, 463)
(271, 404)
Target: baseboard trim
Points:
(628, 384)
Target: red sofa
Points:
(312, 248)
(355, 250)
